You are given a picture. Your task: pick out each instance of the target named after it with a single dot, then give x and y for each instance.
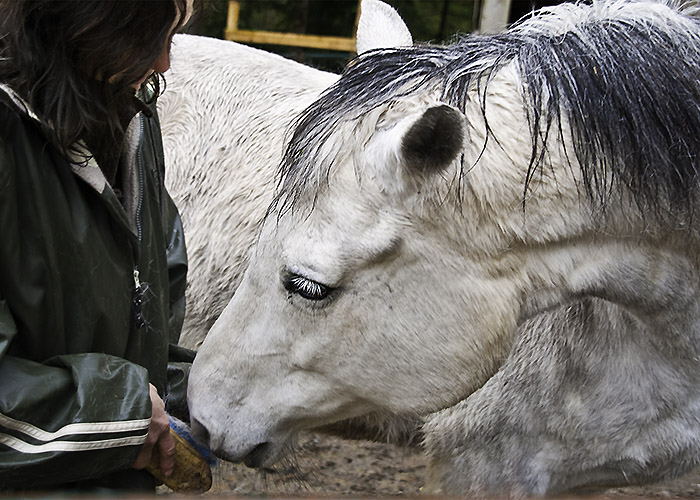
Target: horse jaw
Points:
(380, 27)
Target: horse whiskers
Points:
(285, 473)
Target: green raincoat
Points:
(91, 295)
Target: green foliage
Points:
(429, 20)
(209, 18)
(435, 20)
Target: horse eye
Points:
(308, 289)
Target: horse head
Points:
(468, 232)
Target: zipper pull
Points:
(137, 301)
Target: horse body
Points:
(223, 187)
(469, 234)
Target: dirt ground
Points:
(325, 466)
(331, 467)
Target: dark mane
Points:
(624, 75)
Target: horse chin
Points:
(379, 427)
(261, 457)
(257, 456)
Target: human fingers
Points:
(159, 425)
(166, 452)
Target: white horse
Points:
(223, 116)
(500, 235)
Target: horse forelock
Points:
(623, 76)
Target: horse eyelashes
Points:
(306, 288)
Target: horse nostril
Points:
(256, 457)
(200, 433)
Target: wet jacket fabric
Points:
(91, 295)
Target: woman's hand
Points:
(159, 442)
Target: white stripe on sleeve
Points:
(101, 444)
(75, 428)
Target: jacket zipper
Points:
(139, 288)
(139, 165)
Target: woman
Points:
(92, 259)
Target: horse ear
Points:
(380, 27)
(434, 140)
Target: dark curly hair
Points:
(75, 61)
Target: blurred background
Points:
(436, 21)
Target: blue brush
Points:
(183, 430)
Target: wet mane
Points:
(624, 75)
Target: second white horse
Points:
(224, 116)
